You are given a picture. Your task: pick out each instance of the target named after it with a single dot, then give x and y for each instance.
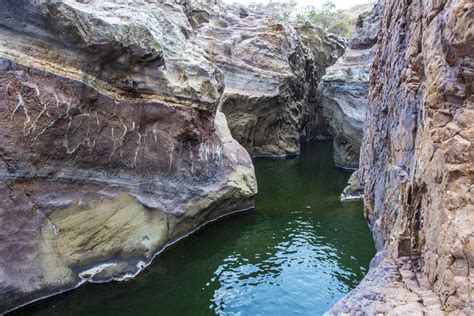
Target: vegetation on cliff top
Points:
(327, 17)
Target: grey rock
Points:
(354, 190)
(417, 162)
(344, 90)
(271, 72)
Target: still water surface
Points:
(296, 254)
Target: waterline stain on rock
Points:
(300, 250)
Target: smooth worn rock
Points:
(112, 143)
(354, 190)
(271, 72)
(417, 156)
(344, 90)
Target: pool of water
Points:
(296, 254)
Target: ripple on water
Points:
(290, 277)
(297, 254)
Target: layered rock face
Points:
(345, 87)
(417, 164)
(112, 144)
(271, 72)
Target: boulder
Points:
(354, 190)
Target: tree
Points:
(327, 18)
(287, 9)
(329, 7)
(280, 10)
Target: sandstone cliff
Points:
(112, 143)
(417, 163)
(271, 72)
(345, 87)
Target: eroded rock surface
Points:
(344, 90)
(271, 74)
(112, 144)
(417, 164)
(354, 190)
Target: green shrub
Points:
(329, 19)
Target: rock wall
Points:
(112, 143)
(344, 90)
(271, 73)
(417, 163)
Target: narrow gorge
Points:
(130, 125)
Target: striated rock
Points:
(271, 71)
(417, 163)
(112, 144)
(345, 87)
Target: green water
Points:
(296, 254)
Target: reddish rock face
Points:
(112, 145)
(417, 162)
(58, 128)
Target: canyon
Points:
(271, 72)
(128, 126)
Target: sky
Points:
(340, 4)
